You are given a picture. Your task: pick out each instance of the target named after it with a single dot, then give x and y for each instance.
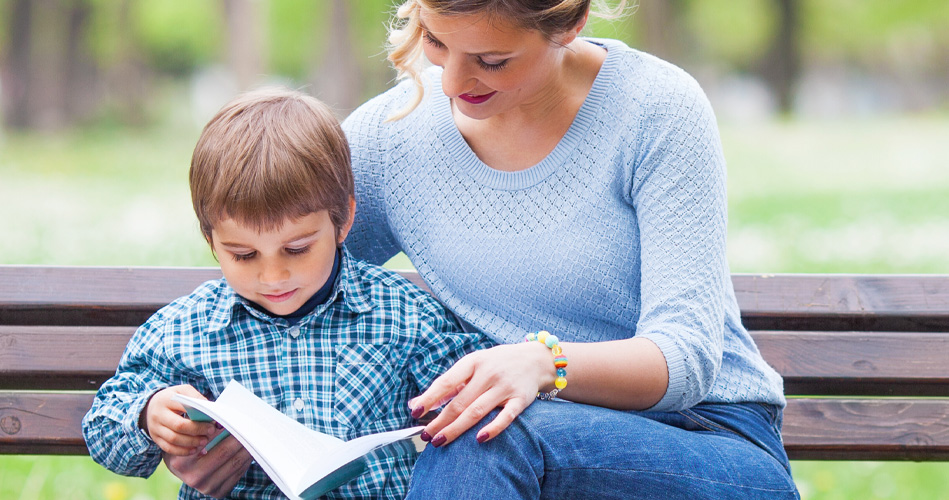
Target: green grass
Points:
(860, 196)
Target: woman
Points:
(542, 181)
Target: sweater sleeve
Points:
(677, 188)
(371, 238)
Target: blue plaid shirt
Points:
(346, 369)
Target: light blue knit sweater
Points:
(620, 231)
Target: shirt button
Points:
(298, 404)
(295, 331)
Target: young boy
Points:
(337, 344)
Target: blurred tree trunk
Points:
(245, 41)
(128, 75)
(50, 76)
(663, 34)
(16, 71)
(337, 80)
(81, 92)
(781, 64)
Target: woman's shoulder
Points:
(646, 77)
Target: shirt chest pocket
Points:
(364, 383)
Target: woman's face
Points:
(491, 67)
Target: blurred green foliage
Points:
(177, 36)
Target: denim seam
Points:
(706, 423)
(790, 487)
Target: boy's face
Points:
(281, 269)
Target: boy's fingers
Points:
(215, 473)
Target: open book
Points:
(303, 462)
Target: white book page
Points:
(283, 447)
(351, 450)
(293, 455)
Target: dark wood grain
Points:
(844, 302)
(867, 429)
(859, 363)
(60, 357)
(848, 342)
(43, 423)
(72, 296)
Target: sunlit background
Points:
(834, 117)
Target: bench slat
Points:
(60, 357)
(51, 295)
(834, 429)
(843, 302)
(98, 295)
(859, 363)
(43, 423)
(867, 429)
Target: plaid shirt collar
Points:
(353, 298)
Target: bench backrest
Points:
(865, 359)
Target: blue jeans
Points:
(562, 450)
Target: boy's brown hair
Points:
(269, 156)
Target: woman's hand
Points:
(506, 376)
(215, 473)
(174, 433)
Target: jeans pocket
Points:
(363, 383)
(700, 422)
(775, 415)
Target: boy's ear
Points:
(344, 230)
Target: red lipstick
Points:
(476, 99)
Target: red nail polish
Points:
(439, 440)
(417, 412)
(482, 436)
(424, 436)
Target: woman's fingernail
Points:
(424, 436)
(418, 412)
(439, 440)
(482, 436)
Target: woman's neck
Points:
(522, 137)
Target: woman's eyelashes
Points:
(498, 66)
(429, 39)
(487, 66)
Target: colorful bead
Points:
(560, 361)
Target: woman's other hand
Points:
(505, 376)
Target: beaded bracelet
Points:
(560, 362)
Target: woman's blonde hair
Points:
(269, 156)
(549, 17)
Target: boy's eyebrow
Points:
(287, 242)
(477, 54)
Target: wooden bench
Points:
(865, 359)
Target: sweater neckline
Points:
(469, 162)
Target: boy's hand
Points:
(214, 474)
(170, 429)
